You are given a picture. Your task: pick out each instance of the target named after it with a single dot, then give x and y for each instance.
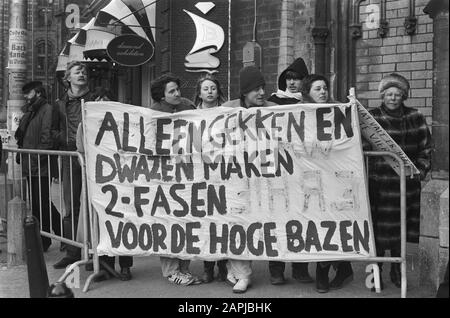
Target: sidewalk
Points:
(148, 282)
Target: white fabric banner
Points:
(276, 183)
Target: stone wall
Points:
(433, 241)
(408, 55)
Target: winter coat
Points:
(66, 118)
(408, 128)
(37, 136)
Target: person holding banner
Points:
(289, 86)
(125, 262)
(208, 94)
(315, 89)
(408, 127)
(251, 89)
(65, 120)
(165, 91)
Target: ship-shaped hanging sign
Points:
(210, 38)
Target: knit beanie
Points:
(299, 67)
(250, 78)
(395, 80)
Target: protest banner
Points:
(277, 183)
(380, 140)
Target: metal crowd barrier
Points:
(90, 242)
(53, 205)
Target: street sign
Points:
(130, 50)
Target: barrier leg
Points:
(404, 280)
(107, 270)
(70, 269)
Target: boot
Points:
(322, 283)
(396, 276)
(208, 275)
(222, 270)
(300, 273)
(125, 274)
(277, 273)
(344, 275)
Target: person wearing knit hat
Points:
(408, 128)
(251, 89)
(289, 84)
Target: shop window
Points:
(42, 57)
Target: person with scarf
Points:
(34, 133)
(66, 118)
(289, 86)
(408, 127)
(290, 83)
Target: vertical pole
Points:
(32, 40)
(46, 10)
(17, 72)
(17, 64)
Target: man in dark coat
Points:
(34, 133)
(289, 86)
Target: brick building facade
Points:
(54, 35)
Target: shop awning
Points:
(63, 59)
(79, 42)
(117, 18)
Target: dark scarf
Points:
(29, 113)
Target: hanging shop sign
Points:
(130, 50)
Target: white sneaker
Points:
(231, 280)
(241, 286)
(181, 279)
